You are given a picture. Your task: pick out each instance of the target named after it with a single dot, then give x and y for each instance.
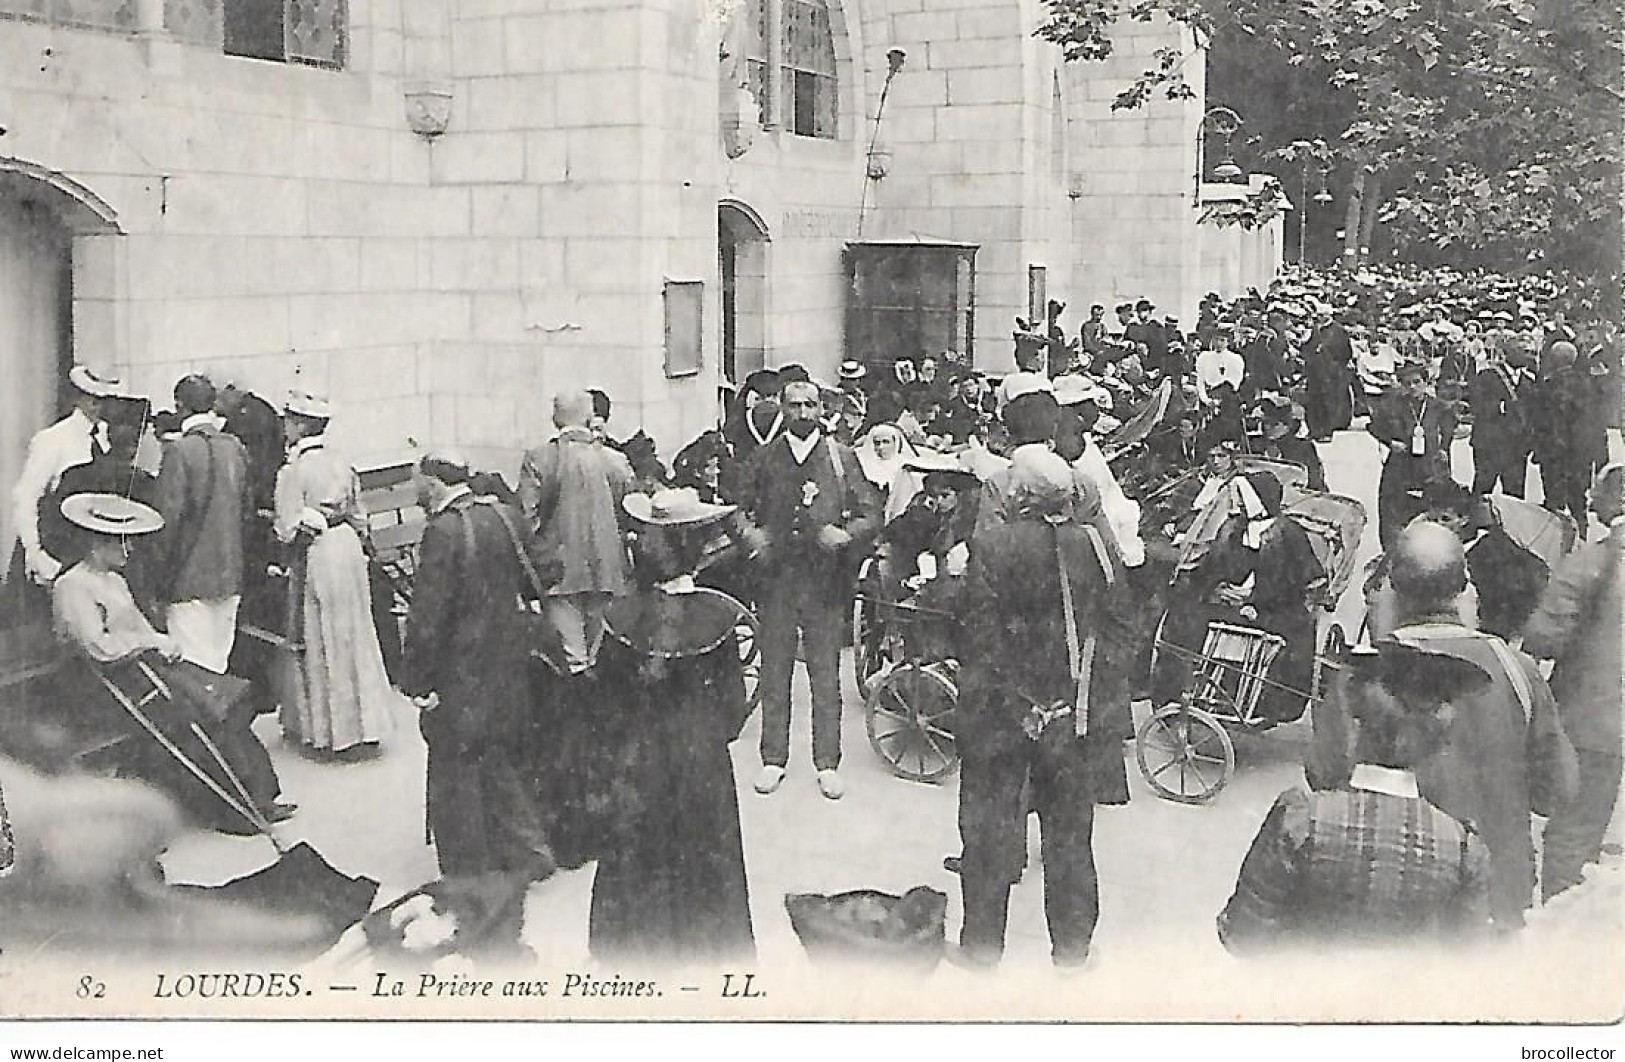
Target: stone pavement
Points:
(1165, 869)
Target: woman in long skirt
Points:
(670, 885)
(339, 701)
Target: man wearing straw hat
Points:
(202, 494)
(73, 440)
(212, 754)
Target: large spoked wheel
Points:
(910, 718)
(1184, 754)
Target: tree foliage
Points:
(1485, 132)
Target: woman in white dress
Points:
(340, 702)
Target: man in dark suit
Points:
(1328, 369)
(1147, 331)
(1035, 598)
(1416, 428)
(203, 491)
(1577, 624)
(467, 668)
(1501, 441)
(809, 517)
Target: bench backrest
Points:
(393, 515)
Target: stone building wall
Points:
(283, 225)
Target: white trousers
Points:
(205, 630)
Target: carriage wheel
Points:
(1334, 646)
(866, 662)
(750, 655)
(1184, 754)
(910, 718)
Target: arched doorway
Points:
(46, 223)
(742, 243)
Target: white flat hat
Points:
(111, 514)
(305, 404)
(681, 505)
(95, 384)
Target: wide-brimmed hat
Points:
(305, 404)
(94, 384)
(1072, 390)
(928, 461)
(111, 514)
(853, 370)
(677, 505)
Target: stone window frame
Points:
(770, 74)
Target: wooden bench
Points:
(395, 523)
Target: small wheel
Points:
(1184, 754)
(910, 718)
(750, 655)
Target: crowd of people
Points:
(578, 684)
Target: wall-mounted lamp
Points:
(1225, 122)
(878, 161)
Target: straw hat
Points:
(680, 505)
(305, 404)
(111, 514)
(1072, 389)
(94, 384)
(853, 370)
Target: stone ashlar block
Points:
(389, 264)
(512, 211)
(582, 209)
(517, 101)
(961, 55)
(925, 26)
(475, 264)
(598, 99)
(983, 85)
(221, 328)
(364, 375)
(604, 264)
(989, 21)
(983, 122)
(617, 153)
(209, 204)
(975, 191)
(478, 46)
(480, 158)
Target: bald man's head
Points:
(572, 409)
(1429, 568)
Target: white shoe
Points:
(829, 784)
(768, 782)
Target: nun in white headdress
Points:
(881, 454)
(339, 702)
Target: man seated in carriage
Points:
(1258, 573)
